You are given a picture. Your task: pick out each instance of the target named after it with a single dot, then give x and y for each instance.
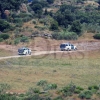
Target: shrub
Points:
(82, 95)
(24, 39)
(19, 24)
(54, 26)
(76, 27)
(42, 83)
(85, 94)
(33, 91)
(26, 19)
(50, 86)
(65, 35)
(77, 91)
(50, 1)
(68, 90)
(16, 41)
(8, 97)
(97, 36)
(79, 88)
(58, 98)
(34, 22)
(17, 20)
(4, 36)
(3, 88)
(93, 87)
(4, 25)
(1, 39)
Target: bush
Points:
(24, 39)
(42, 83)
(65, 35)
(4, 36)
(79, 88)
(1, 39)
(34, 22)
(58, 98)
(76, 27)
(77, 91)
(33, 91)
(17, 20)
(17, 41)
(3, 88)
(26, 19)
(8, 97)
(50, 86)
(4, 25)
(68, 90)
(82, 95)
(97, 36)
(54, 26)
(93, 87)
(50, 1)
(85, 94)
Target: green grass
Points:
(22, 73)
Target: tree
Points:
(8, 5)
(37, 8)
(98, 2)
(4, 25)
(54, 25)
(50, 1)
(4, 36)
(76, 27)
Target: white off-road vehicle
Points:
(67, 47)
(24, 51)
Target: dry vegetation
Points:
(80, 68)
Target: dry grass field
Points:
(81, 68)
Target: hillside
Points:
(48, 19)
(49, 73)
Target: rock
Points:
(7, 12)
(23, 8)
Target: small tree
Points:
(4, 25)
(4, 36)
(76, 27)
(50, 1)
(37, 8)
(97, 36)
(54, 25)
(24, 39)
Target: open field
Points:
(81, 68)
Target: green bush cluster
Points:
(21, 39)
(4, 37)
(4, 25)
(68, 91)
(65, 35)
(86, 95)
(97, 36)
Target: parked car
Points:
(24, 51)
(67, 47)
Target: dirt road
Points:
(50, 47)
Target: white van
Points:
(24, 51)
(67, 47)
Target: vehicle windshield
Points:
(62, 46)
(20, 50)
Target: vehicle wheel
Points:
(68, 49)
(26, 53)
(75, 49)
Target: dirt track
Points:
(50, 47)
